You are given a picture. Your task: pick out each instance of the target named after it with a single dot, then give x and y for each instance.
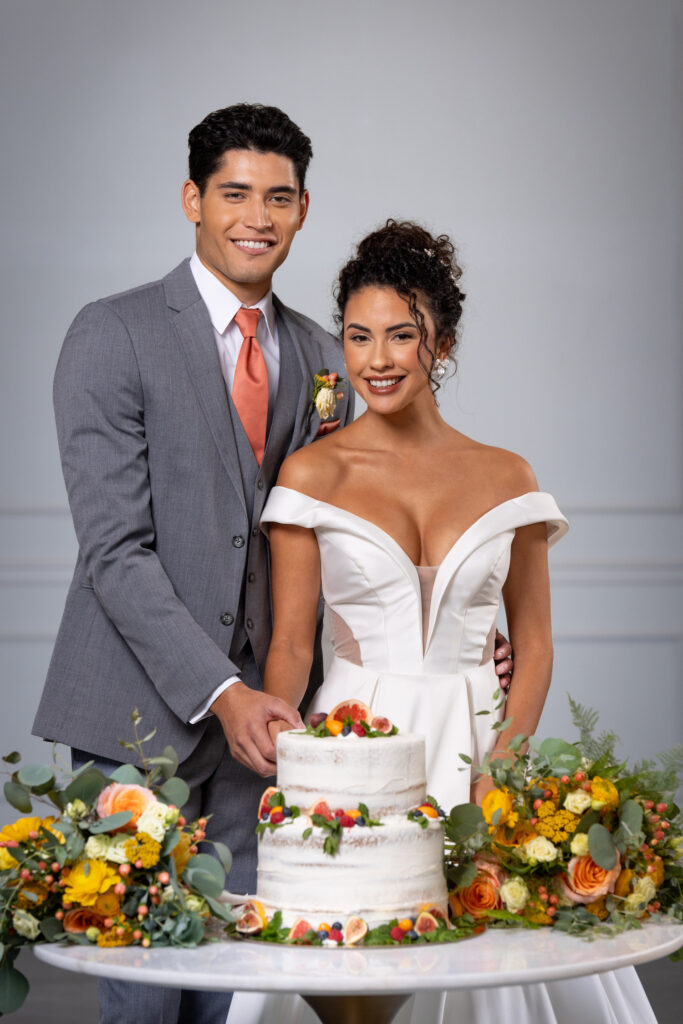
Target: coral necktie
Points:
(250, 383)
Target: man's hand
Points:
(276, 727)
(503, 657)
(245, 715)
(327, 427)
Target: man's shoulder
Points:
(175, 288)
(305, 324)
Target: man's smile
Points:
(251, 244)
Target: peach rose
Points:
(78, 921)
(586, 881)
(484, 892)
(124, 797)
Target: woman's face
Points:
(381, 342)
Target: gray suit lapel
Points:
(195, 335)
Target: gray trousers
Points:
(225, 789)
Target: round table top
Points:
(498, 957)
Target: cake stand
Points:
(348, 985)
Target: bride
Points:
(414, 531)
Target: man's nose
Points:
(258, 214)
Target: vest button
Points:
(238, 542)
(250, 623)
(227, 619)
(251, 577)
(254, 531)
(259, 484)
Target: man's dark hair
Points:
(246, 126)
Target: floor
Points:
(59, 997)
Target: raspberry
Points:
(346, 821)
(358, 729)
(336, 935)
(397, 934)
(276, 817)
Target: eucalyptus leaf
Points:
(224, 855)
(171, 840)
(219, 909)
(205, 874)
(13, 758)
(463, 875)
(112, 821)
(128, 774)
(13, 988)
(561, 754)
(36, 776)
(632, 816)
(170, 753)
(19, 797)
(175, 791)
(601, 847)
(52, 929)
(86, 787)
(588, 819)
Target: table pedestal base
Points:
(356, 1009)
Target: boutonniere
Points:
(326, 393)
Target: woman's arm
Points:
(295, 575)
(526, 595)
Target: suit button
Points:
(254, 531)
(251, 577)
(259, 484)
(238, 542)
(250, 623)
(227, 619)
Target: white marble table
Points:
(494, 958)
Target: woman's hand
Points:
(480, 788)
(276, 726)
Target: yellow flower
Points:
(110, 938)
(87, 880)
(554, 824)
(143, 848)
(19, 833)
(499, 800)
(598, 908)
(605, 796)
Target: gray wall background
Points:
(546, 137)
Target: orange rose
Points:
(586, 881)
(483, 894)
(80, 919)
(124, 797)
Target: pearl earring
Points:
(439, 368)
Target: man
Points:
(176, 404)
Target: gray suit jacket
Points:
(170, 554)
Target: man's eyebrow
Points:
(242, 186)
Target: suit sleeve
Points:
(99, 409)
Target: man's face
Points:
(247, 218)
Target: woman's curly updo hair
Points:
(404, 256)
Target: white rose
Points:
(97, 847)
(26, 924)
(168, 894)
(540, 849)
(577, 801)
(116, 851)
(153, 820)
(75, 810)
(579, 844)
(325, 402)
(514, 894)
(645, 889)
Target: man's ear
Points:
(192, 201)
(303, 208)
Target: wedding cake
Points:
(348, 830)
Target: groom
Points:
(176, 404)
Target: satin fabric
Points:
(434, 683)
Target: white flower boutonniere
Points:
(326, 393)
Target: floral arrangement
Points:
(570, 837)
(326, 393)
(114, 864)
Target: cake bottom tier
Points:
(379, 873)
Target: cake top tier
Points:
(387, 773)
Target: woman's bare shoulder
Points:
(509, 473)
(308, 469)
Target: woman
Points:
(415, 530)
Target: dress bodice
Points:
(372, 585)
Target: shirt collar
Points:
(221, 303)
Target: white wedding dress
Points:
(415, 643)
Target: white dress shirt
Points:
(222, 305)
